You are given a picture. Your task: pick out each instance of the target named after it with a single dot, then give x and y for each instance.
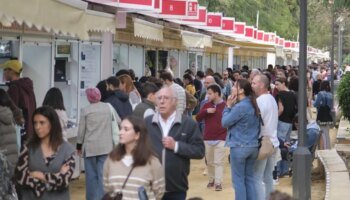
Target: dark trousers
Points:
(174, 196)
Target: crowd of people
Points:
(137, 136)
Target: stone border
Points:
(337, 175)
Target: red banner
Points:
(260, 35)
(249, 31)
(228, 24)
(266, 37)
(239, 28)
(277, 40)
(202, 16)
(214, 20)
(287, 44)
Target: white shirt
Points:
(166, 126)
(128, 160)
(269, 114)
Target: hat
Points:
(93, 95)
(14, 65)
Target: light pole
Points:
(331, 2)
(302, 156)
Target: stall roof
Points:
(66, 17)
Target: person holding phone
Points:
(241, 119)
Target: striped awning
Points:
(63, 17)
(148, 30)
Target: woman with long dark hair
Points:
(45, 165)
(54, 99)
(133, 155)
(324, 105)
(241, 119)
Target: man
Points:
(118, 99)
(269, 114)
(167, 79)
(21, 92)
(176, 139)
(147, 106)
(214, 136)
(227, 84)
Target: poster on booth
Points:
(90, 65)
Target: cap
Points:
(14, 65)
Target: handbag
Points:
(115, 127)
(266, 147)
(118, 195)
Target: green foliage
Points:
(347, 60)
(343, 93)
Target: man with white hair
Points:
(175, 139)
(269, 115)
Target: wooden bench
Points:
(344, 152)
(337, 175)
(343, 134)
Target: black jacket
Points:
(120, 102)
(190, 146)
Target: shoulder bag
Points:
(118, 195)
(265, 145)
(115, 127)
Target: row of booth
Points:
(73, 44)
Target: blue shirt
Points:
(242, 124)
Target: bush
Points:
(343, 92)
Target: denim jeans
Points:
(94, 176)
(242, 169)
(282, 167)
(283, 130)
(263, 177)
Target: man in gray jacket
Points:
(176, 139)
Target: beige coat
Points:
(95, 129)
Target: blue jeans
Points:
(94, 176)
(312, 135)
(242, 169)
(263, 176)
(282, 167)
(174, 196)
(283, 130)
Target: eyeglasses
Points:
(165, 98)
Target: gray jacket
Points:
(8, 139)
(95, 130)
(190, 146)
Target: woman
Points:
(324, 105)
(188, 82)
(127, 85)
(54, 99)
(94, 141)
(241, 118)
(45, 165)
(133, 156)
(8, 139)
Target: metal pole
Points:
(332, 59)
(302, 156)
(339, 44)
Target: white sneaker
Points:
(275, 182)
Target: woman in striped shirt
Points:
(134, 156)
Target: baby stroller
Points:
(284, 167)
